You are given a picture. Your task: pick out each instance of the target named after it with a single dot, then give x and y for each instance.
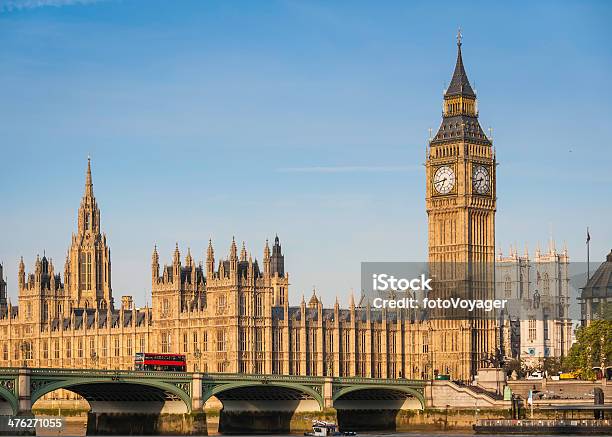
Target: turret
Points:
(277, 259)
(266, 259)
(314, 301)
(189, 258)
(51, 271)
(21, 274)
(176, 264)
(155, 265)
(37, 269)
(210, 260)
(243, 253)
(67, 271)
(233, 257)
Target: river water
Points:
(76, 426)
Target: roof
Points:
(600, 284)
(464, 126)
(460, 85)
(460, 127)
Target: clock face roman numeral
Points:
(481, 180)
(444, 179)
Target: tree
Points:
(593, 348)
(551, 365)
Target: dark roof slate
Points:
(600, 284)
(460, 85)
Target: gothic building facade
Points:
(540, 326)
(232, 314)
(226, 315)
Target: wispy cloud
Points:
(12, 5)
(349, 169)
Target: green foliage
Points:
(551, 365)
(593, 348)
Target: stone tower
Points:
(41, 294)
(461, 204)
(179, 288)
(88, 266)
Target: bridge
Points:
(136, 400)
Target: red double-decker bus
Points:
(161, 362)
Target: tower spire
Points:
(88, 180)
(459, 84)
(460, 108)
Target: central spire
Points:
(88, 180)
(460, 85)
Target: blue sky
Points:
(309, 119)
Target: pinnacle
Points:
(459, 83)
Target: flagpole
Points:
(588, 260)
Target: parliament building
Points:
(231, 313)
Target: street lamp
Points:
(431, 344)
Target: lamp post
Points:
(431, 354)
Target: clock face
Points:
(481, 180)
(444, 179)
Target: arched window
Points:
(165, 307)
(29, 350)
(221, 338)
(259, 305)
(508, 286)
(166, 342)
(221, 304)
(242, 304)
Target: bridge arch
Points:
(380, 388)
(219, 390)
(10, 398)
(102, 390)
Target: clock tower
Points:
(461, 204)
